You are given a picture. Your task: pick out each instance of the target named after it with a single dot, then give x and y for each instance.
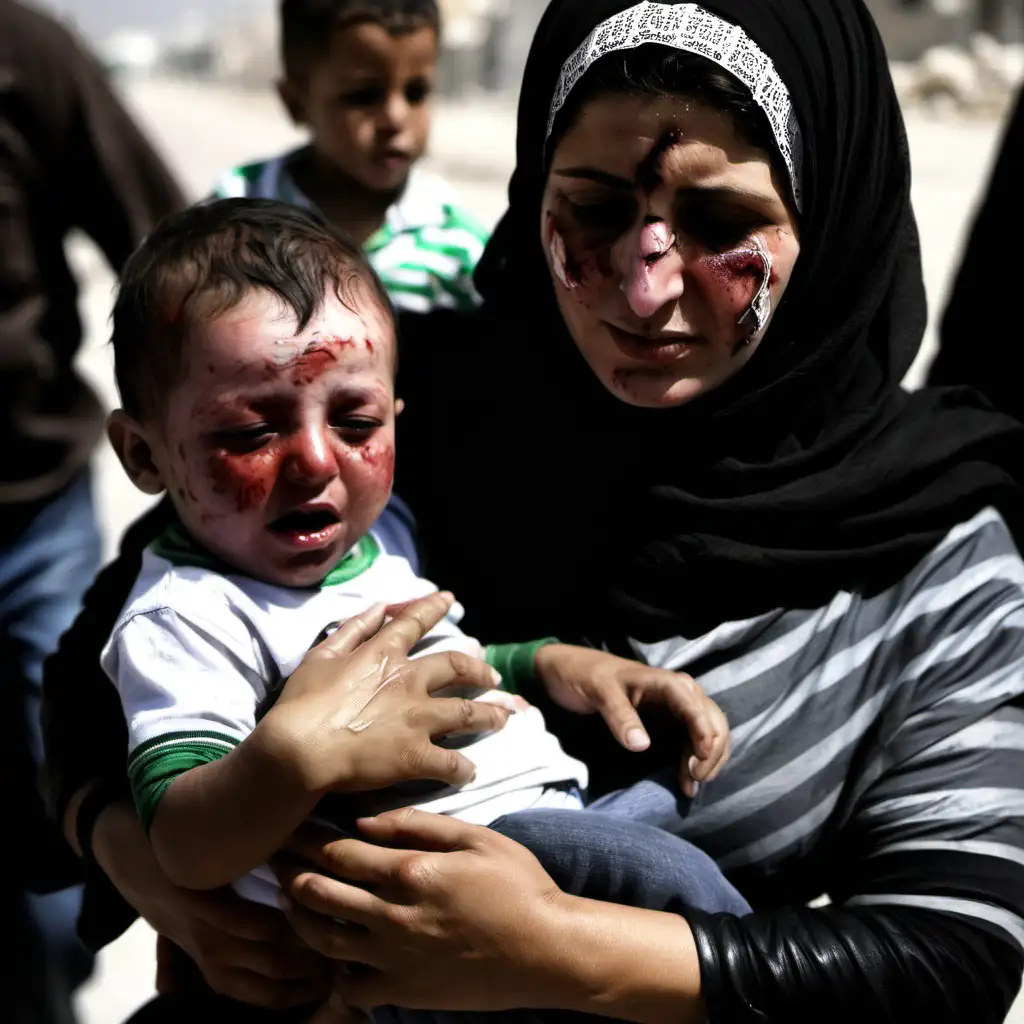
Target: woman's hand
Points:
(244, 951)
(464, 918)
(469, 920)
(586, 681)
(359, 715)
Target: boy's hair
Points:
(202, 262)
(306, 25)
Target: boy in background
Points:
(359, 75)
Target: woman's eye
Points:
(245, 439)
(717, 232)
(606, 215)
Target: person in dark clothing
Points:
(70, 157)
(983, 289)
(676, 430)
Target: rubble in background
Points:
(484, 44)
(979, 79)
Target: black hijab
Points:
(810, 472)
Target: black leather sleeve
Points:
(861, 965)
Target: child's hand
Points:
(588, 681)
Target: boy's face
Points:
(278, 448)
(366, 101)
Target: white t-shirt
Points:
(197, 648)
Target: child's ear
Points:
(134, 450)
(293, 99)
(399, 406)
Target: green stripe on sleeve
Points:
(462, 291)
(391, 285)
(459, 218)
(156, 764)
(514, 662)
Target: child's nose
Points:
(395, 112)
(311, 459)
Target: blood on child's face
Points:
(278, 448)
(660, 226)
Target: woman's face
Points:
(669, 242)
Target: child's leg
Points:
(656, 801)
(606, 857)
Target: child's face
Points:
(278, 449)
(366, 102)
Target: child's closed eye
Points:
(244, 439)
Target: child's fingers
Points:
(706, 768)
(721, 746)
(622, 719)
(688, 703)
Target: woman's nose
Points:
(311, 458)
(651, 267)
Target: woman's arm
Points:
(84, 732)
(842, 964)
(463, 918)
(928, 881)
(928, 884)
(244, 950)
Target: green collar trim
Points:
(354, 564)
(178, 548)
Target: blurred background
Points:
(198, 77)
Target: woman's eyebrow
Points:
(726, 192)
(703, 192)
(593, 174)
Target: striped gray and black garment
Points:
(877, 742)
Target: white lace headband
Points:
(690, 28)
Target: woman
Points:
(676, 429)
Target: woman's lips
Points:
(650, 350)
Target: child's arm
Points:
(585, 681)
(217, 800)
(211, 794)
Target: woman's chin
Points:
(653, 389)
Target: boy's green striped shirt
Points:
(425, 251)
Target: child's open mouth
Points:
(307, 527)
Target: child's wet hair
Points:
(306, 25)
(202, 262)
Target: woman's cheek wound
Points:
(577, 267)
(743, 277)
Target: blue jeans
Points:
(45, 568)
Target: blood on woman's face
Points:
(661, 225)
(277, 447)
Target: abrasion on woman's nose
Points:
(652, 279)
